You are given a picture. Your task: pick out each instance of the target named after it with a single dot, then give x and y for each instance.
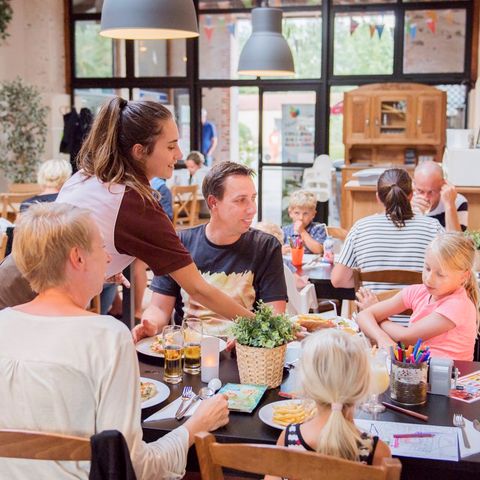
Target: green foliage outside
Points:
(247, 147)
(475, 236)
(23, 130)
(265, 330)
(93, 53)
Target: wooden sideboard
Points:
(360, 201)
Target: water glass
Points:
(173, 344)
(192, 334)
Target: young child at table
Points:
(334, 372)
(445, 306)
(301, 209)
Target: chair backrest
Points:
(299, 301)
(318, 178)
(43, 446)
(337, 232)
(30, 188)
(3, 245)
(284, 462)
(185, 208)
(402, 277)
(11, 204)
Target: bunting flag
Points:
(353, 26)
(208, 20)
(231, 28)
(221, 22)
(379, 29)
(432, 14)
(208, 32)
(449, 16)
(372, 30)
(431, 25)
(413, 31)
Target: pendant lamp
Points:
(266, 52)
(149, 19)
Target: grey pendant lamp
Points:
(266, 52)
(149, 19)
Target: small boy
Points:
(302, 208)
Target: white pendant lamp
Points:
(266, 52)
(149, 19)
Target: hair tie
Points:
(123, 103)
(337, 407)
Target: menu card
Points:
(242, 397)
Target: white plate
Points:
(143, 346)
(163, 392)
(266, 412)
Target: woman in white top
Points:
(395, 239)
(66, 370)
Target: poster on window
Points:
(298, 133)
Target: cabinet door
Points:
(391, 114)
(429, 121)
(357, 120)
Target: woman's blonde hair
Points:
(272, 229)
(334, 369)
(455, 251)
(107, 151)
(44, 237)
(302, 198)
(54, 173)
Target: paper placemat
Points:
(473, 437)
(170, 410)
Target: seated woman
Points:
(445, 306)
(394, 239)
(66, 370)
(52, 174)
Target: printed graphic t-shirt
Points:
(249, 270)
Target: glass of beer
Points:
(173, 352)
(192, 334)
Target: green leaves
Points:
(23, 130)
(6, 14)
(266, 330)
(475, 236)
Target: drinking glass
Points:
(380, 381)
(297, 256)
(173, 353)
(192, 334)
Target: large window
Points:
(278, 125)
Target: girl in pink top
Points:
(445, 306)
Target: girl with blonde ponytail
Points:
(335, 373)
(445, 306)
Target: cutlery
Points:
(458, 421)
(187, 393)
(203, 393)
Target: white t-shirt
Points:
(78, 376)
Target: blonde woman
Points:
(52, 174)
(129, 144)
(335, 374)
(73, 371)
(445, 306)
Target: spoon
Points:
(202, 394)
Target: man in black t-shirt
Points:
(243, 262)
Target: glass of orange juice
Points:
(380, 381)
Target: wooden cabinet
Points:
(383, 121)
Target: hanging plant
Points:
(23, 130)
(6, 14)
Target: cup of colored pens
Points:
(409, 373)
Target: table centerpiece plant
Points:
(261, 344)
(474, 235)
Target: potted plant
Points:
(6, 14)
(23, 130)
(475, 236)
(261, 345)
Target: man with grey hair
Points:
(435, 197)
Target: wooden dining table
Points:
(249, 428)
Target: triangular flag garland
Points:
(353, 26)
(379, 29)
(372, 30)
(208, 20)
(413, 31)
(431, 25)
(208, 32)
(231, 28)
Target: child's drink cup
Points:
(297, 256)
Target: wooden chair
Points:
(10, 204)
(337, 232)
(185, 205)
(3, 245)
(30, 188)
(43, 446)
(284, 462)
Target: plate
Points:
(163, 392)
(341, 323)
(143, 346)
(266, 412)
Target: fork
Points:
(187, 393)
(458, 421)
